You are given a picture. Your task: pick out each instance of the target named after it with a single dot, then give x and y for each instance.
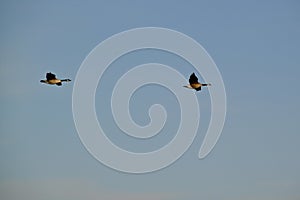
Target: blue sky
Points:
(255, 45)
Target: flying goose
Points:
(194, 84)
(51, 79)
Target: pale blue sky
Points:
(255, 45)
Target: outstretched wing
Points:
(50, 76)
(193, 79)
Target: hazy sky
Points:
(255, 45)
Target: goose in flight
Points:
(51, 79)
(194, 84)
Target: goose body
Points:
(194, 84)
(52, 80)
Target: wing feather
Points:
(50, 76)
(193, 79)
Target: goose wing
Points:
(193, 79)
(50, 76)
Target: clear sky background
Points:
(255, 45)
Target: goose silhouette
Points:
(52, 80)
(194, 84)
